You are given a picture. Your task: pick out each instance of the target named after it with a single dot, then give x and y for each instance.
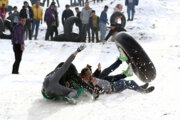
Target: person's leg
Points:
(56, 31)
(121, 85)
(44, 2)
(133, 11)
(111, 68)
(83, 33)
(114, 78)
(33, 26)
(102, 30)
(48, 30)
(92, 35)
(58, 3)
(97, 36)
(37, 28)
(88, 30)
(18, 56)
(128, 11)
(29, 29)
(47, 3)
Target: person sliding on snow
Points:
(114, 83)
(115, 28)
(52, 89)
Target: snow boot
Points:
(128, 72)
(122, 55)
(145, 86)
(150, 89)
(70, 100)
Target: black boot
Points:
(150, 89)
(144, 86)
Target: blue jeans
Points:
(102, 27)
(105, 73)
(35, 23)
(131, 8)
(120, 85)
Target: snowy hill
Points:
(156, 27)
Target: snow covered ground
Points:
(156, 27)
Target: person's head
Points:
(52, 5)
(22, 21)
(86, 4)
(15, 8)
(67, 7)
(106, 8)
(10, 13)
(3, 6)
(119, 6)
(113, 26)
(77, 9)
(55, 8)
(37, 3)
(86, 74)
(93, 13)
(26, 4)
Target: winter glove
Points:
(81, 47)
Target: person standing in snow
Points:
(94, 25)
(3, 12)
(66, 14)
(26, 12)
(78, 12)
(15, 16)
(18, 44)
(37, 17)
(49, 18)
(115, 28)
(55, 24)
(102, 22)
(131, 8)
(85, 15)
(52, 89)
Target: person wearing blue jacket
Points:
(102, 22)
(131, 8)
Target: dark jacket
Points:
(18, 34)
(118, 28)
(66, 14)
(23, 13)
(78, 15)
(103, 17)
(15, 17)
(49, 15)
(135, 2)
(96, 26)
(56, 18)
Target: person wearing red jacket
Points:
(3, 12)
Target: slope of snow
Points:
(156, 27)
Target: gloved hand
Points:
(81, 47)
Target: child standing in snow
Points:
(18, 44)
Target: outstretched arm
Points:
(60, 72)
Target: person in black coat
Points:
(55, 25)
(26, 12)
(115, 28)
(78, 12)
(66, 14)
